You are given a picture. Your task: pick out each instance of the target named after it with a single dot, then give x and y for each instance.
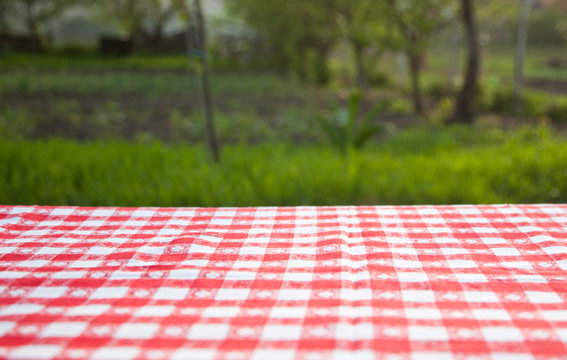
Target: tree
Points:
(135, 18)
(159, 14)
(521, 49)
(465, 99)
(36, 13)
(127, 15)
(303, 32)
(362, 24)
(414, 22)
(561, 7)
(5, 9)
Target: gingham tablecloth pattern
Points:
(423, 282)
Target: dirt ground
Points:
(549, 85)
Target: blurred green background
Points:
(314, 104)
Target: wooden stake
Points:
(521, 49)
(207, 101)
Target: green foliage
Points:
(415, 21)
(16, 124)
(34, 14)
(57, 60)
(302, 33)
(133, 17)
(547, 27)
(429, 165)
(558, 111)
(345, 131)
(142, 83)
(534, 104)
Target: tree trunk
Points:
(521, 49)
(300, 64)
(454, 51)
(207, 102)
(157, 37)
(464, 111)
(358, 50)
(414, 62)
(31, 22)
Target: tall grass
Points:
(418, 166)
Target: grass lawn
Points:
(426, 165)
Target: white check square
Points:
(554, 315)
(294, 294)
(6, 326)
(69, 274)
(285, 312)
(116, 352)
(13, 274)
(506, 251)
(418, 296)
(281, 332)
(111, 292)
(502, 334)
(221, 312)
(208, 332)
(543, 297)
(88, 310)
(21, 309)
(423, 313)
(480, 296)
(37, 352)
(171, 293)
(64, 329)
(154, 311)
(232, 294)
(240, 275)
(274, 354)
(470, 277)
(412, 277)
(399, 263)
(136, 331)
(184, 274)
(49, 292)
(428, 333)
(297, 276)
(100, 250)
(461, 264)
(491, 314)
(201, 354)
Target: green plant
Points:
(557, 112)
(16, 123)
(420, 165)
(346, 131)
(533, 104)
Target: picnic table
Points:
(365, 282)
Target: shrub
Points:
(346, 131)
(533, 104)
(557, 112)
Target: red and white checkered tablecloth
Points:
(420, 282)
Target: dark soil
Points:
(549, 85)
(128, 115)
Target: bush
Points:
(439, 91)
(533, 104)
(557, 112)
(345, 131)
(379, 79)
